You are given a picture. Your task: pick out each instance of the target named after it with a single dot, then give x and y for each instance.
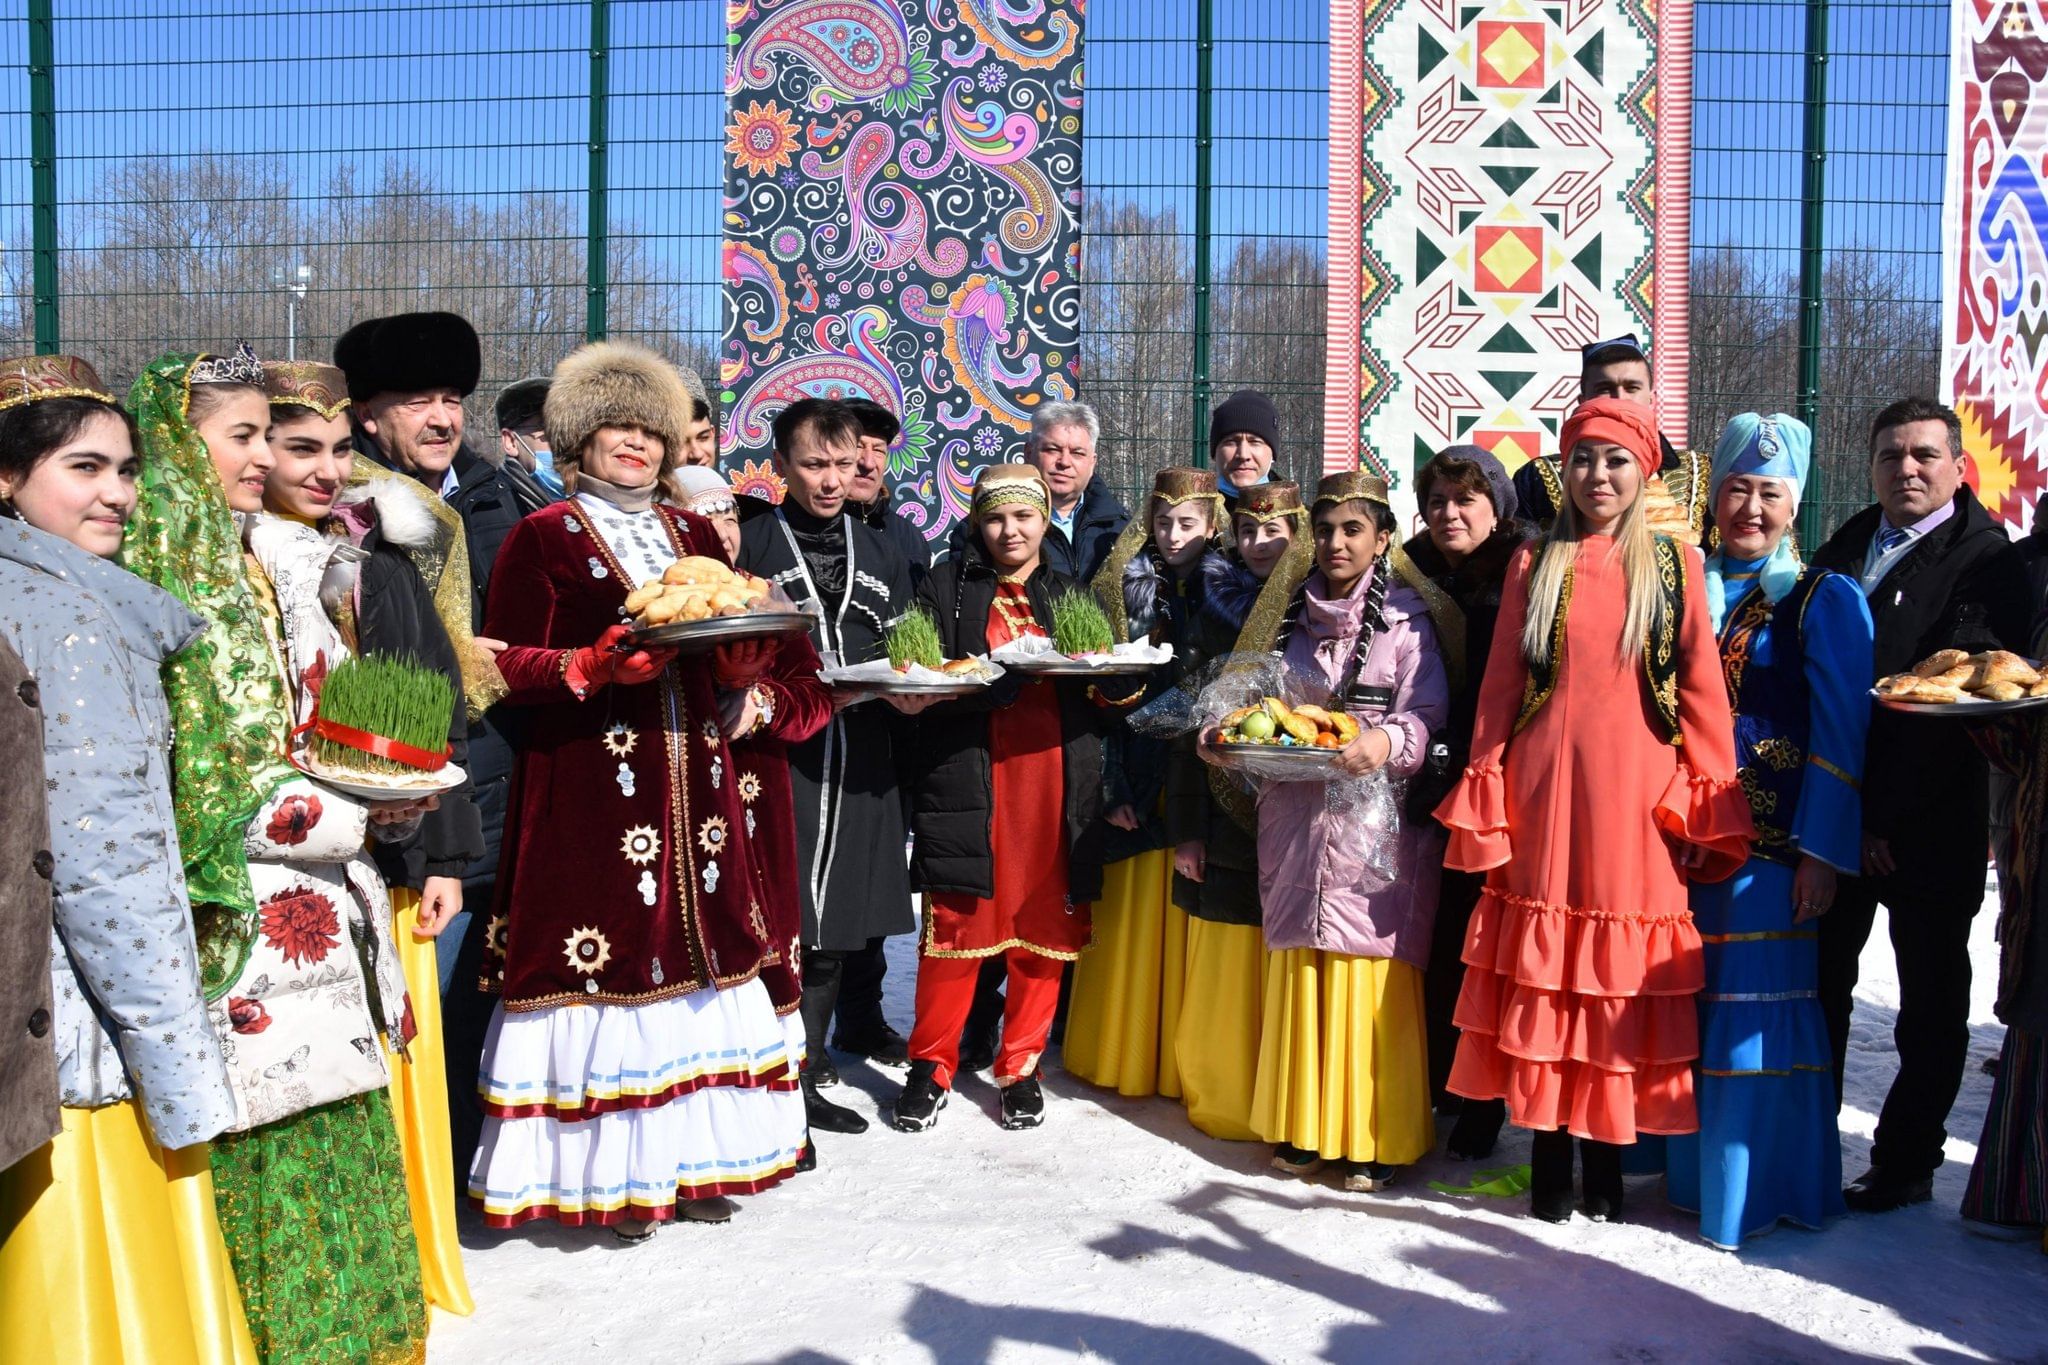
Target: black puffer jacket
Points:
(953, 781)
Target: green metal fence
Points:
(189, 175)
(1819, 136)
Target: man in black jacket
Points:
(1086, 517)
(1939, 574)
(407, 377)
(853, 883)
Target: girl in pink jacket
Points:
(1343, 1071)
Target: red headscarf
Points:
(1620, 422)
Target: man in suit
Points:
(1939, 574)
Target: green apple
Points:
(1257, 726)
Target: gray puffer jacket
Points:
(130, 1014)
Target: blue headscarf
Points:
(1774, 447)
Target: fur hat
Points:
(410, 353)
(615, 384)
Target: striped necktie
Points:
(1890, 537)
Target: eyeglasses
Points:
(1629, 340)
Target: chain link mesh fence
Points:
(273, 171)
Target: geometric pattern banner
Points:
(1995, 249)
(902, 206)
(1507, 215)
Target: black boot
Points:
(1477, 1130)
(1550, 1176)
(985, 1018)
(917, 1108)
(1600, 1175)
(827, 1117)
(876, 1041)
(807, 1159)
(1023, 1103)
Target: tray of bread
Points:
(1952, 683)
(698, 602)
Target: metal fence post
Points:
(42, 152)
(596, 212)
(1812, 209)
(1205, 45)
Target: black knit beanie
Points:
(1247, 410)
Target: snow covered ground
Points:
(1117, 1232)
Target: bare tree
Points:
(198, 254)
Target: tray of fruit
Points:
(699, 602)
(1270, 734)
(1973, 686)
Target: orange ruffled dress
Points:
(1582, 960)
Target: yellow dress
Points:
(419, 1107)
(1216, 1047)
(1343, 1069)
(1125, 1008)
(110, 1252)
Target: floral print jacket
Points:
(301, 1024)
(129, 1016)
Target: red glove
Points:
(595, 665)
(742, 662)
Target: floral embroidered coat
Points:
(300, 1023)
(624, 876)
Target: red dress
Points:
(1027, 839)
(1582, 959)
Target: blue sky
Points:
(489, 97)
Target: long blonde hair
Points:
(1554, 555)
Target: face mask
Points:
(543, 465)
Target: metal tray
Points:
(1969, 708)
(370, 789)
(691, 637)
(1302, 756)
(1060, 666)
(941, 690)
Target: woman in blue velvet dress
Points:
(1796, 651)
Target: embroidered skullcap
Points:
(1615, 421)
(1001, 485)
(32, 378)
(1267, 501)
(306, 384)
(1352, 485)
(704, 489)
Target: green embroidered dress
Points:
(311, 1195)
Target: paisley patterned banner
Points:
(1995, 249)
(1504, 215)
(902, 209)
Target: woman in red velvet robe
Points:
(635, 1070)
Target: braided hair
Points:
(1371, 622)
